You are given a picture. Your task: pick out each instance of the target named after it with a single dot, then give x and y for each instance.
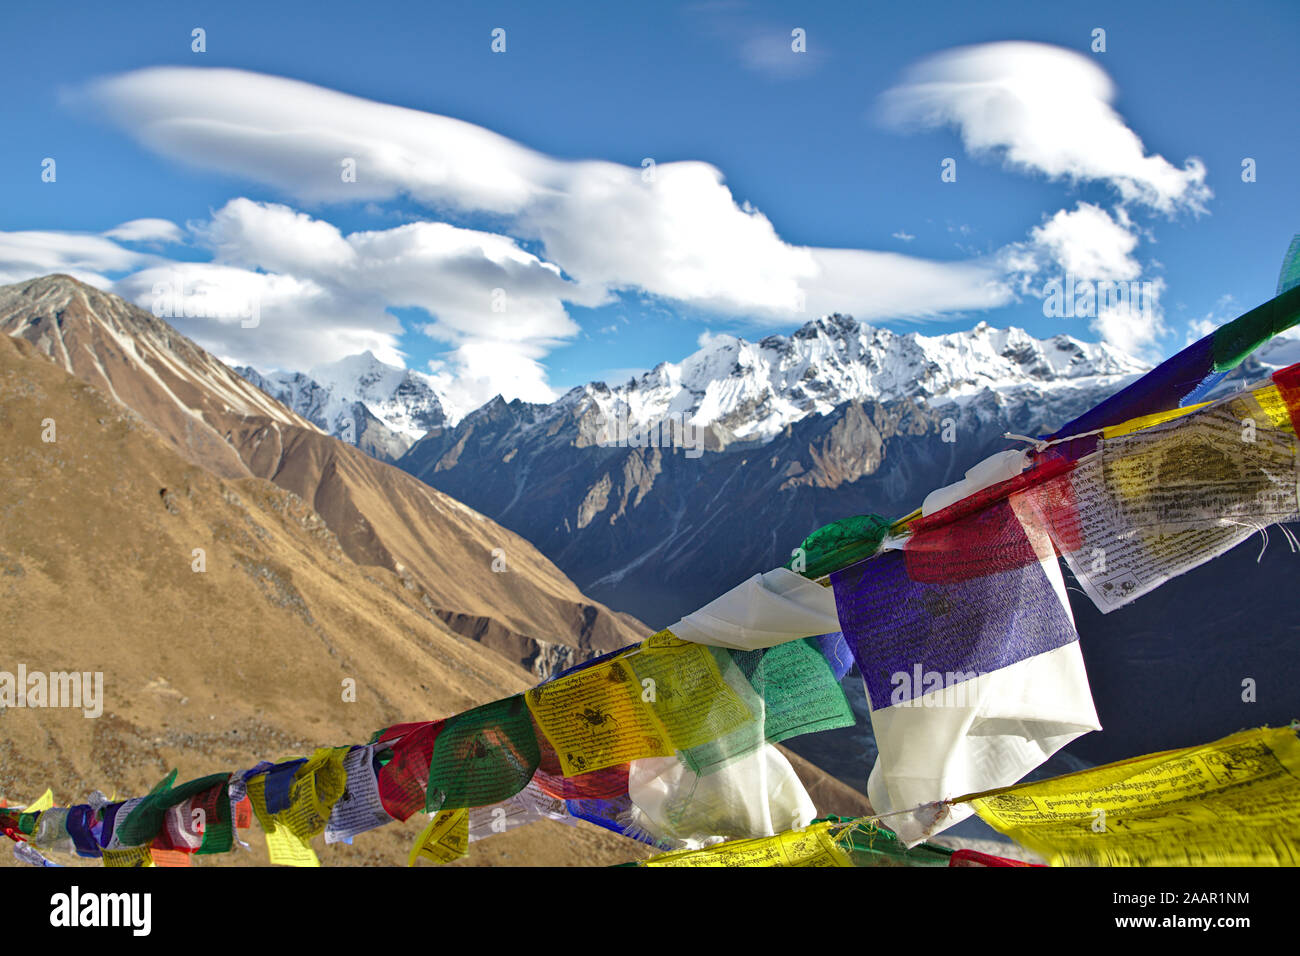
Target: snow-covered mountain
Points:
(735, 390)
(404, 400)
(1279, 353)
(749, 391)
(378, 407)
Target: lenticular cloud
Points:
(1043, 109)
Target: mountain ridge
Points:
(734, 390)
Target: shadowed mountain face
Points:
(484, 582)
(658, 534)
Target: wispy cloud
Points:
(85, 256)
(778, 50)
(152, 231)
(674, 231)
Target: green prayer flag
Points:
(483, 756)
(147, 818)
(870, 845)
(839, 544)
(1234, 341)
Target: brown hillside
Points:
(383, 517)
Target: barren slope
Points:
(530, 612)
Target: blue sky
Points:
(609, 281)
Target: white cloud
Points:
(1088, 244)
(1135, 324)
(1198, 329)
(681, 236)
(1224, 310)
(274, 237)
(1085, 252)
(147, 230)
(1043, 109)
(84, 256)
(883, 285)
(479, 370)
(323, 296)
(296, 136)
(674, 231)
(906, 237)
(299, 322)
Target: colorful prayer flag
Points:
(1228, 803)
(969, 654)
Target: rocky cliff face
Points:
(658, 533)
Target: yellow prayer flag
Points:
(317, 786)
(446, 838)
(1146, 421)
(685, 691)
(1229, 803)
(41, 803)
(1274, 406)
(595, 719)
(665, 695)
(128, 856)
(811, 846)
(284, 847)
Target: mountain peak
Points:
(56, 280)
(59, 287)
(140, 361)
(363, 400)
(753, 390)
(834, 324)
